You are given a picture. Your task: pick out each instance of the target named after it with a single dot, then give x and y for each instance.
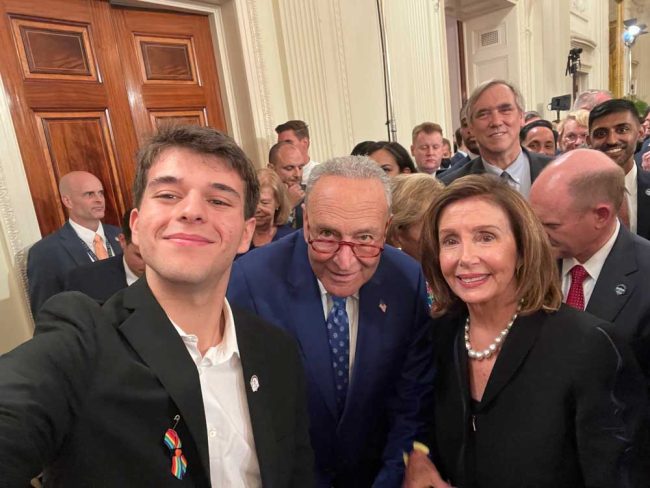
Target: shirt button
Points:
(212, 433)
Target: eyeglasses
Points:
(575, 137)
(327, 246)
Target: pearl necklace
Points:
(492, 348)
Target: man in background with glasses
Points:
(358, 309)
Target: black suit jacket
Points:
(91, 396)
(643, 203)
(52, 257)
(562, 407)
(537, 164)
(621, 297)
(457, 160)
(99, 280)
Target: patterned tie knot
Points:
(578, 274)
(339, 302)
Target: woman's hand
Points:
(421, 473)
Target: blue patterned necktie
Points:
(338, 332)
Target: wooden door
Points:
(170, 71)
(88, 82)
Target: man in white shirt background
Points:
(82, 239)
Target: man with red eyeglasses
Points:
(358, 309)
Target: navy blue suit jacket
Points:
(475, 166)
(620, 295)
(392, 375)
(50, 259)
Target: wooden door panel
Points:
(171, 67)
(77, 141)
(63, 75)
(159, 118)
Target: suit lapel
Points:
(607, 300)
(153, 337)
(254, 363)
(305, 310)
(72, 244)
(521, 338)
(371, 331)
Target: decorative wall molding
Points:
(344, 86)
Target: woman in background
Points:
(272, 210)
(412, 196)
(391, 157)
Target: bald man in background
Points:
(82, 239)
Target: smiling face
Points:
(190, 222)
(266, 207)
(495, 121)
(616, 134)
(478, 252)
(353, 210)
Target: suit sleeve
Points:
(610, 401)
(413, 395)
(43, 277)
(41, 387)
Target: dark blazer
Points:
(99, 280)
(91, 396)
(562, 407)
(52, 257)
(643, 203)
(392, 373)
(638, 157)
(621, 297)
(537, 164)
(457, 160)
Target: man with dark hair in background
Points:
(615, 129)
(297, 133)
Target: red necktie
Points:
(576, 296)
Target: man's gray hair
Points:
(357, 167)
(479, 90)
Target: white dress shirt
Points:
(631, 187)
(233, 459)
(88, 236)
(352, 308)
(593, 266)
(131, 277)
(306, 170)
(518, 173)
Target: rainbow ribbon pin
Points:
(174, 444)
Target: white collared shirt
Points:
(306, 170)
(352, 308)
(131, 277)
(518, 172)
(233, 459)
(593, 266)
(631, 187)
(88, 236)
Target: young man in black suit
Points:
(494, 114)
(165, 384)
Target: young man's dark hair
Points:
(613, 106)
(537, 123)
(297, 126)
(202, 140)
